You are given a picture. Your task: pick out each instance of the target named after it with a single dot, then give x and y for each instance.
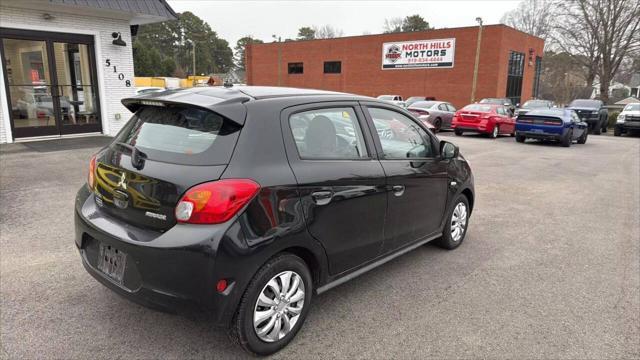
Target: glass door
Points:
(30, 90)
(75, 89)
(51, 82)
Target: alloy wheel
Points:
(279, 306)
(458, 221)
(494, 134)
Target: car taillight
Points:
(215, 202)
(91, 178)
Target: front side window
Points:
(407, 140)
(330, 133)
(295, 68)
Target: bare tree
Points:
(613, 26)
(535, 17)
(327, 32)
(393, 25)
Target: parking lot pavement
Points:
(550, 268)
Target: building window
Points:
(514, 76)
(296, 68)
(536, 78)
(332, 67)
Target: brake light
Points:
(91, 179)
(215, 202)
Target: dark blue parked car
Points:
(562, 125)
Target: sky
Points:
(262, 19)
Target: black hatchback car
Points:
(246, 202)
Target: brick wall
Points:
(362, 62)
(110, 88)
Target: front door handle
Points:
(398, 190)
(322, 197)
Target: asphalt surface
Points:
(550, 268)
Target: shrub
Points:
(612, 118)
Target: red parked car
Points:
(488, 119)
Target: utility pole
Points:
(475, 67)
(279, 39)
(193, 55)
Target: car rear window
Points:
(478, 107)
(181, 135)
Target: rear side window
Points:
(181, 135)
(330, 133)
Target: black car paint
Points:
(585, 113)
(176, 267)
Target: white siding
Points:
(111, 89)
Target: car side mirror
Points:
(448, 150)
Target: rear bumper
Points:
(174, 272)
(540, 131)
(539, 135)
(480, 128)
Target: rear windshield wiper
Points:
(137, 156)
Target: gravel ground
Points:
(550, 268)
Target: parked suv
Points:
(628, 120)
(231, 201)
(592, 112)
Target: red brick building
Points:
(407, 64)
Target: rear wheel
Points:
(495, 132)
(520, 138)
(457, 132)
(456, 227)
(566, 140)
(274, 305)
(437, 125)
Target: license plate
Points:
(112, 262)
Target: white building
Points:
(66, 64)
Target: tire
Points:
(448, 240)
(457, 132)
(242, 329)
(597, 130)
(583, 138)
(566, 140)
(495, 132)
(520, 138)
(437, 125)
(617, 131)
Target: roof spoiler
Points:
(232, 109)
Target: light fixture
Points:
(118, 39)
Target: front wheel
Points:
(597, 130)
(583, 138)
(274, 305)
(617, 131)
(456, 227)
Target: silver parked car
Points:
(437, 113)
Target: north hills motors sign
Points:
(419, 54)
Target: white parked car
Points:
(628, 120)
(393, 99)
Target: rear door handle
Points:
(398, 190)
(322, 197)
